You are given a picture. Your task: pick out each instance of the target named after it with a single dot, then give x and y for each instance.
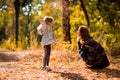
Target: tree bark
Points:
(85, 12)
(28, 24)
(66, 20)
(17, 11)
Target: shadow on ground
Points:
(109, 72)
(5, 56)
(71, 76)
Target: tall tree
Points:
(17, 11)
(85, 12)
(66, 19)
(29, 21)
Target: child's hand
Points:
(42, 22)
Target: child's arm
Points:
(42, 27)
(43, 23)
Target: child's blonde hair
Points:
(48, 19)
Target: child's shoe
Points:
(48, 68)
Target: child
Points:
(48, 37)
(92, 52)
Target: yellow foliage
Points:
(8, 44)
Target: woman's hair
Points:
(48, 19)
(83, 32)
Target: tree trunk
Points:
(66, 20)
(85, 12)
(28, 24)
(17, 11)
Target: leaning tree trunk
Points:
(66, 20)
(85, 12)
(17, 11)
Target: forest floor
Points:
(65, 65)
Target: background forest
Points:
(19, 20)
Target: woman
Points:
(92, 52)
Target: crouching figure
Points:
(92, 53)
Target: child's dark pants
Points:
(46, 57)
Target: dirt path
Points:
(29, 69)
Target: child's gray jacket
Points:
(48, 37)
